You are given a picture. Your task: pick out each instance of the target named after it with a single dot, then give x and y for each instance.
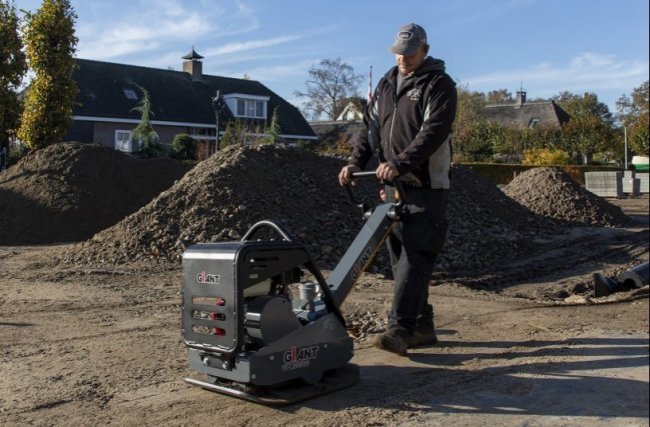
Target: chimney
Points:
(521, 98)
(192, 64)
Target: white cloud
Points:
(281, 72)
(128, 38)
(167, 22)
(266, 74)
(172, 8)
(266, 55)
(248, 45)
(587, 71)
(607, 76)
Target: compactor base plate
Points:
(287, 393)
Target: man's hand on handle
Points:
(387, 172)
(345, 176)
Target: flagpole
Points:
(369, 98)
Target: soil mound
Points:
(552, 193)
(485, 226)
(70, 191)
(226, 194)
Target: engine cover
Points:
(269, 318)
(218, 280)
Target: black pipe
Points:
(636, 277)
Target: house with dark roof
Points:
(353, 110)
(185, 101)
(522, 114)
(345, 126)
(331, 132)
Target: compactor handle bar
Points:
(267, 224)
(379, 221)
(372, 174)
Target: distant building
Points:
(353, 110)
(346, 125)
(521, 114)
(336, 131)
(181, 101)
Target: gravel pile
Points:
(552, 193)
(486, 226)
(224, 195)
(70, 191)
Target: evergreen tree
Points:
(50, 45)
(144, 133)
(12, 69)
(273, 130)
(235, 133)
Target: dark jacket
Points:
(411, 129)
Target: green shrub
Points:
(545, 157)
(183, 147)
(16, 152)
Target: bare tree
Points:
(330, 85)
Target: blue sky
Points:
(547, 46)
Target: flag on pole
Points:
(370, 85)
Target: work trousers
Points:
(413, 245)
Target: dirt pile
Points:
(552, 193)
(224, 195)
(70, 191)
(486, 226)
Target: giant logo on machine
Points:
(208, 278)
(358, 268)
(296, 357)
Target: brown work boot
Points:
(422, 338)
(392, 341)
(424, 334)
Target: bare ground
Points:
(521, 344)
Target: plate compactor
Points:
(261, 332)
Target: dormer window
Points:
(250, 108)
(247, 106)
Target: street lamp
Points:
(218, 107)
(625, 143)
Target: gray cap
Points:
(408, 39)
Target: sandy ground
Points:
(84, 346)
